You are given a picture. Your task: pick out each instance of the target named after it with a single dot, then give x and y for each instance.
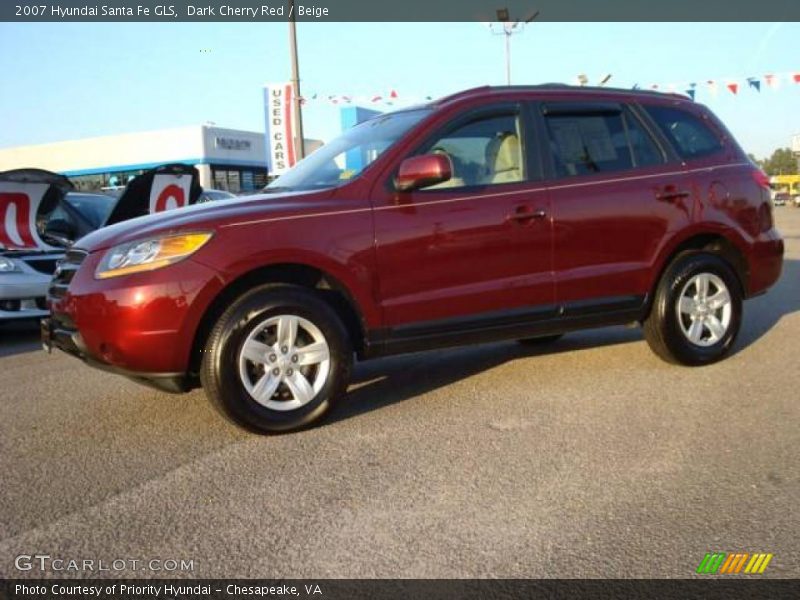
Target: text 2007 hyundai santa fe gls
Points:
(495, 213)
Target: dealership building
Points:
(227, 159)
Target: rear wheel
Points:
(696, 312)
(277, 359)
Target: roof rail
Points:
(486, 89)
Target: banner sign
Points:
(19, 203)
(280, 127)
(169, 191)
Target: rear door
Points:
(468, 252)
(616, 192)
(721, 173)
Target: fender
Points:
(695, 230)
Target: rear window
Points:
(691, 137)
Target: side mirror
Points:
(421, 171)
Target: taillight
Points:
(761, 178)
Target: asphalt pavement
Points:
(588, 458)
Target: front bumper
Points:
(56, 335)
(22, 296)
(141, 325)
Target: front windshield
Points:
(345, 157)
(93, 208)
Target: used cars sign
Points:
(278, 100)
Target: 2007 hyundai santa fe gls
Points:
(495, 213)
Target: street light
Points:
(507, 28)
(299, 141)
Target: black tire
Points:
(663, 329)
(540, 340)
(219, 373)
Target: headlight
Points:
(8, 266)
(148, 255)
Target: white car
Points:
(57, 216)
(29, 251)
(25, 273)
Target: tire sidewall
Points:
(237, 324)
(679, 274)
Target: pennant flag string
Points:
(692, 89)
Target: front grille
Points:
(65, 271)
(43, 265)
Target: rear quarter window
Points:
(688, 133)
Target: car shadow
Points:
(18, 336)
(761, 314)
(383, 382)
(380, 383)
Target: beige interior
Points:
(504, 159)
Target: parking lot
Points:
(589, 458)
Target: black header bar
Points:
(398, 10)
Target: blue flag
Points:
(754, 83)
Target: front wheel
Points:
(277, 359)
(696, 312)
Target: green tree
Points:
(782, 162)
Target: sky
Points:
(73, 80)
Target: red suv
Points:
(495, 213)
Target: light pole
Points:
(299, 140)
(508, 28)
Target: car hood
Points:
(208, 216)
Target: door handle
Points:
(670, 193)
(523, 214)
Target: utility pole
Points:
(507, 28)
(299, 140)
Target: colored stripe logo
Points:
(734, 563)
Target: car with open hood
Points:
(42, 215)
(496, 213)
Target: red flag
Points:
(733, 87)
(770, 79)
(377, 98)
(393, 94)
(797, 77)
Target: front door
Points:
(473, 250)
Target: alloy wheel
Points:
(284, 362)
(704, 309)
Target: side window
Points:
(587, 143)
(691, 137)
(645, 151)
(485, 151)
